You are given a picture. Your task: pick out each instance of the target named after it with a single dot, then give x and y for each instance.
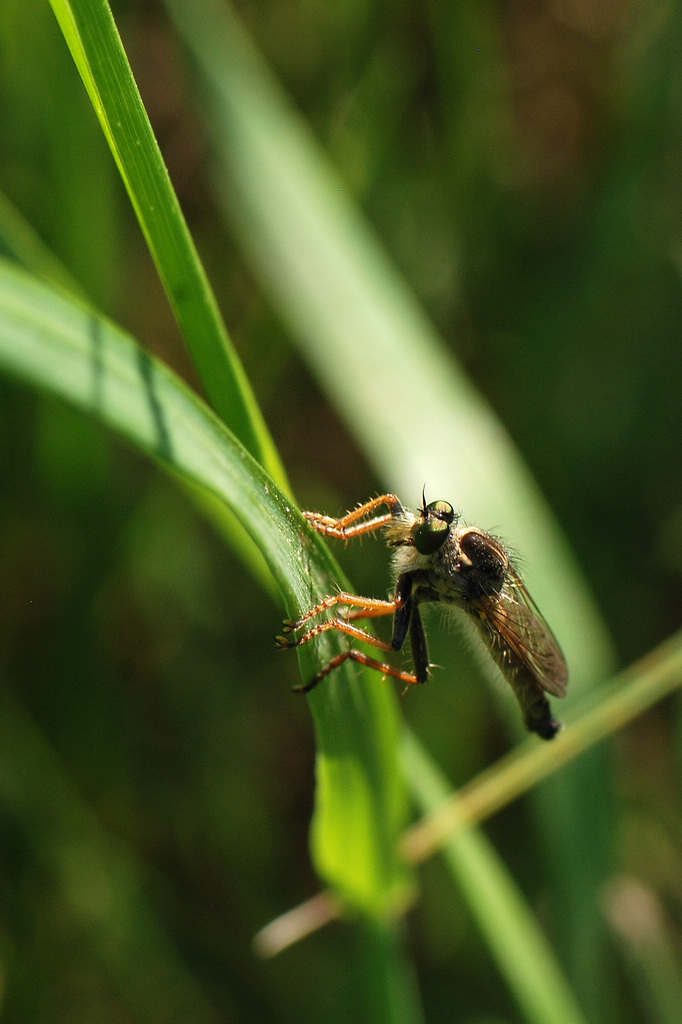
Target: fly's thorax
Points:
(481, 563)
(475, 563)
(460, 564)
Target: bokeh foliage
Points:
(521, 166)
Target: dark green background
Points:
(521, 162)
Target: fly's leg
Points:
(350, 525)
(363, 659)
(420, 652)
(406, 619)
(365, 607)
(344, 626)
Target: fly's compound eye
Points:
(431, 532)
(440, 510)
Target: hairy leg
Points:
(350, 525)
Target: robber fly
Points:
(438, 559)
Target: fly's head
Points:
(467, 564)
(435, 526)
(470, 564)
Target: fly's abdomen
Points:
(528, 690)
(537, 714)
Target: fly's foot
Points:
(284, 642)
(305, 687)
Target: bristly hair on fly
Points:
(439, 559)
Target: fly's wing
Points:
(522, 638)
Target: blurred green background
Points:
(521, 163)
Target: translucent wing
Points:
(522, 637)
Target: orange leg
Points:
(348, 526)
(365, 607)
(362, 659)
(344, 528)
(370, 607)
(343, 626)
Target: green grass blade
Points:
(96, 48)
(521, 950)
(413, 410)
(361, 330)
(63, 348)
(387, 976)
(19, 242)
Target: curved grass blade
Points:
(22, 245)
(370, 345)
(362, 331)
(96, 48)
(611, 708)
(60, 347)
